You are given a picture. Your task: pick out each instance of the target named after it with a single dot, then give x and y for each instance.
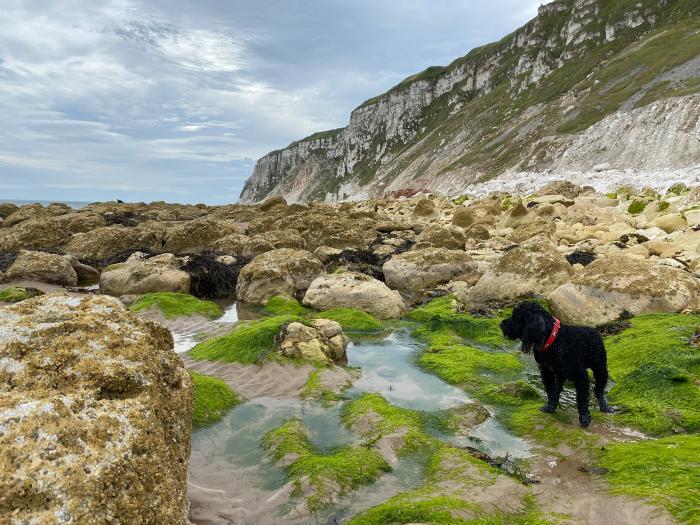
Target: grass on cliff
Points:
(15, 294)
(656, 372)
(212, 399)
(249, 342)
(664, 471)
(321, 478)
(176, 305)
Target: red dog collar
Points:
(553, 335)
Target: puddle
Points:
(231, 481)
(388, 369)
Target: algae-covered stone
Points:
(606, 288)
(139, 276)
(321, 341)
(355, 290)
(95, 415)
(278, 272)
(197, 235)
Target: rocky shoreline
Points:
(93, 396)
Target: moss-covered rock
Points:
(664, 471)
(288, 442)
(14, 294)
(353, 320)
(173, 305)
(656, 371)
(285, 305)
(212, 399)
(320, 479)
(248, 342)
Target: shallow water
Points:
(231, 481)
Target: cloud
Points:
(155, 99)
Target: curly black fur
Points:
(212, 279)
(574, 351)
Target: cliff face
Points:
(529, 102)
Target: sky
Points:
(174, 100)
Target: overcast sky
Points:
(175, 99)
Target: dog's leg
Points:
(600, 373)
(553, 386)
(582, 385)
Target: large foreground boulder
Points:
(278, 272)
(95, 415)
(608, 287)
(139, 275)
(355, 290)
(530, 270)
(416, 271)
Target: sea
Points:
(20, 202)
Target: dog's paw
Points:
(607, 409)
(548, 409)
(584, 420)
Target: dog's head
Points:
(528, 322)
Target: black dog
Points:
(562, 352)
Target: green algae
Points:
(470, 368)
(176, 305)
(249, 342)
(373, 416)
(321, 478)
(453, 475)
(664, 471)
(656, 371)
(289, 439)
(284, 305)
(636, 207)
(14, 294)
(329, 475)
(353, 320)
(314, 390)
(212, 399)
(350, 319)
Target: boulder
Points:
(197, 235)
(43, 267)
(354, 290)
(138, 275)
(463, 217)
(95, 415)
(239, 244)
(323, 341)
(424, 208)
(443, 236)
(278, 272)
(478, 232)
(416, 271)
(607, 288)
(561, 187)
(270, 203)
(7, 209)
(106, 242)
(671, 222)
(47, 232)
(527, 230)
(530, 270)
